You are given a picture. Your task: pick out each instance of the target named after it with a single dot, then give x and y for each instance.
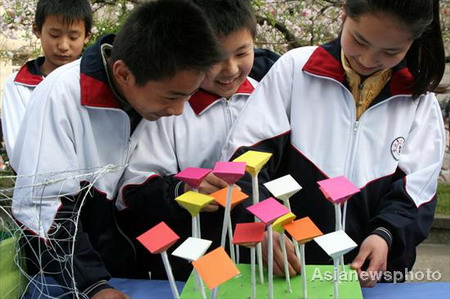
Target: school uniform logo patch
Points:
(397, 147)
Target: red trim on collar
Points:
(96, 93)
(25, 77)
(322, 63)
(401, 82)
(203, 99)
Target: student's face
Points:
(62, 43)
(373, 42)
(157, 99)
(224, 78)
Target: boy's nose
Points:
(231, 66)
(176, 108)
(63, 45)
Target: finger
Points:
(367, 279)
(210, 208)
(294, 262)
(278, 258)
(375, 270)
(215, 181)
(237, 187)
(207, 188)
(359, 260)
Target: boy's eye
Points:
(54, 35)
(391, 53)
(242, 54)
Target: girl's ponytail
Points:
(426, 57)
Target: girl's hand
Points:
(374, 249)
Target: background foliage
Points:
(283, 25)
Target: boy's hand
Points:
(110, 294)
(209, 185)
(278, 261)
(374, 249)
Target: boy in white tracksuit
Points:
(81, 126)
(196, 138)
(63, 27)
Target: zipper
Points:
(227, 114)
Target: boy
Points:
(82, 123)
(195, 138)
(64, 27)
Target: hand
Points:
(374, 249)
(278, 261)
(110, 294)
(209, 185)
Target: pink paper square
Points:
(193, 176)
(230, 172)
(268, 210)
(338, 189)
(159, 238)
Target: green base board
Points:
(320, 284)
(12, 281)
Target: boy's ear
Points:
(122, 73)
(342, 15)
(36, 31)
(87, 37)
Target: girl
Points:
(361, 106)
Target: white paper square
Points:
(336, 244)
(192, 248)
(284, 187)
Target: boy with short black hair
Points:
(64, 27)
(194, 139)
(83, 123)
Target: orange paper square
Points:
(159, 238)
(215, 268)
(237, 196)
(303, 230)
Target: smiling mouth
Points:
(363, 68)
(226, 82)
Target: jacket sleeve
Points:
(13, 110)
(147, 187)
(45, 200)
(406, 212)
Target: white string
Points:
(51, 247)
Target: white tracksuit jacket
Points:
(16, 95)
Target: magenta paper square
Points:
(230, 172)
(338, 189)
(193, 176)
(268, 210)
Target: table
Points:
(158, 289)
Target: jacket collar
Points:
(325, 61)
(30, 74)
(95, 90)
(202, 99)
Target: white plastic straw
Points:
(270, 262)
(255, 193)
(170, 275)
(286, 265)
